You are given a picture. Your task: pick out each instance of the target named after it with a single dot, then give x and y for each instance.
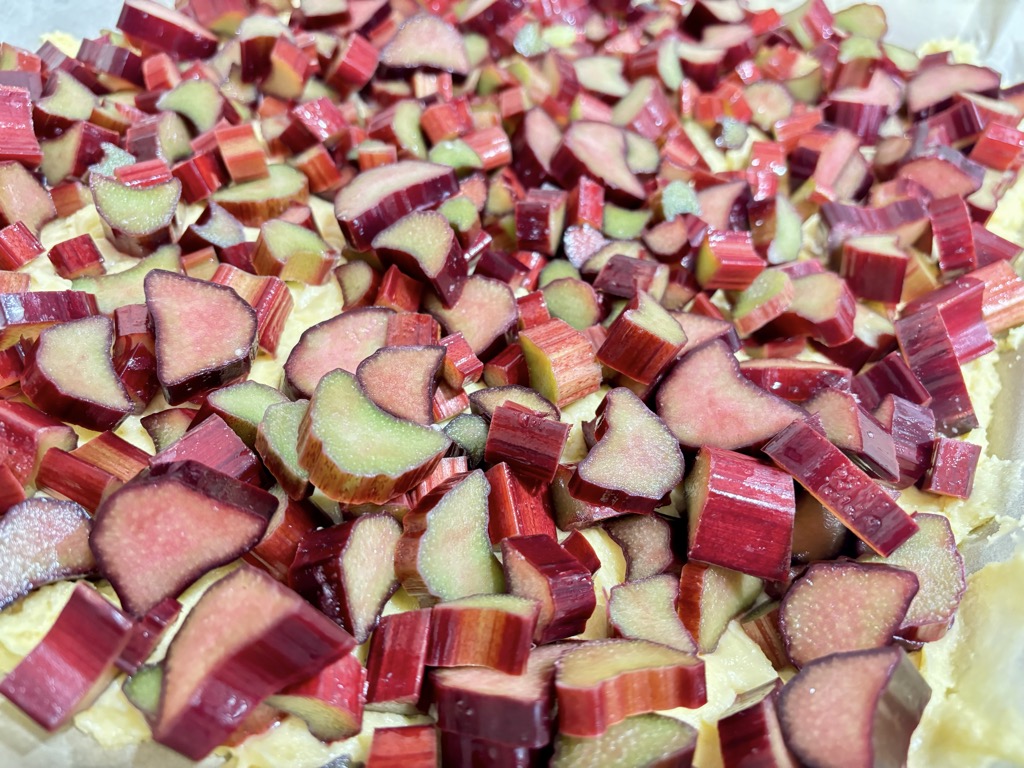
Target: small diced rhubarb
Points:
(516, 508)
(540, 220)
(483, 630)
(853, 429)
(460, 365)
(874, 267)
(291, 252)
(18, 246)
(242, 153)
(330, 702)
(561, 361)
(168, 426)
(213, 444)
(293, 519)
(529, 443)
(960, 304)
(571, 513)
(20, 142)
(166, 29)
(26, 435)
(506, 368)
(952, 468)
(889, 376)
(411, 746)
(395, 666)
(751, 727)
(823, 308)
(953, 235)
(762, 301)
(146, 635)
(710, 597)
(646, 610)
(423, 245)
(728, 260)
(577, 545)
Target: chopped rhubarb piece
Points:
(844, 606)
(293, 519)
(602, 683)
(952, 468)
(530, 443)
(447, 402)
(268, 296)
(359, 284)
(276, 439)
(246, 638)
(540, 220)
(817, 533)
(710, 597)
(66, 476)
(761, 624)
(43, 541)
(727, 260)
(23, 198)
(396, 661)
(643, 340)
(254, 202)
(426, 41)
(89, 394)
(507, 368)
(484, 311)
(1003, 304)
(561, 362)
(874, 267)
(889, 376)
(865, 704)
(484, 630)
(167, 427)
(624, 276)
(572, 300)
(648, 544)
(11, 492)
(762, 301)
(136, 219)
(20, 142)
(577, 545)
(142, 550)
(14, 282)
(194, 354)
(960, 304)
(460, 365)
(166, 29)
(795, 380)
(18, 246)
(722, 505)
(823, 308)
(537, 568)
(26, 315)
(348, 570)
(146, 635)
(401, 380)
(953, 236)
(341, 342)
(241, 152)
(845, 490)
(932, 87)
(410, 329)
(451, 518)
(486, 401)
(516, 508)
(212, 443)
(381, 196)
(73, 663)
(340, 422)
(330, 702)
(242, 407)
(646, 610)
(645, 739)
(853, 429)
(354, 62)
(26, 435)
(77, 257)
(912, 428)
(291, 252)
(200, 176)
(943, 171)
(570, 512)
(127, 287)
(598, 151)
(705, 400)
(999, 147)
(411, 746)
(423, 245)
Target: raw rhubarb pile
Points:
(750, 249)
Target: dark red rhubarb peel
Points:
(395, 665)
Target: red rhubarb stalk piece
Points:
(751, 727)
(26, 315)
(952, 469)
(330, 702)
(646, 610)
(66, 476)
(561, 361)
(642, 341)
(215, 445)
(517, 507)
(166, 29)
(597, 150)
(648, 544)
(529, 443)
(795, 380)
(484, 311)
(146, 635)
(493, 631)
(424, 246)
(26, 435)
(396, 661)
(18, 246)
(411, 746)
(710, 597)
(426, 41)
(402, 380)
(853, 429)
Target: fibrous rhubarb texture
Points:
(166, 29)
(445, 552)
(395, 664)
(423, 245)
(640, 740)
(73, 663)
(795, 380)
(864, 705)
(710, 597)
(26, 435)
(863, 506)
(537, 568)
(277, 438)
(161, 532)
(647, 542)
(146, 635)
(330, 702)
(484, 630)
(348, 570)
(403, 380)
(486, 401)
(411, 746)
(334, 434)
(242, 406)
(601, 683)
(646, 610)
(205, 334)
(635, 462)
(215, 445)
(246, 638)
(529, 443)
(292, 252)
(844, 606)
(561, 361)
(517, 507)
(26, 315)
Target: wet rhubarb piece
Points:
(423, 245)
(246, 638)
(340, 422)
(710, 597)
(889, 376)
(73, 663)
(23, 198)
(529, 443)
(646, 739)
(751, 727)
(166, 29)
(331, 702)
(402, 380)
(845, 490)
(601, 683)
(597, 150)
(952, 469)
(395, 665)
(961, 306)
(643, 340)
(646, 610)
(795, 380)
(194, 354)
(348, 570)
(741, 514)
(146, 634)
(26, 315)
(537, 568)
(853, 429)
(484, 630)
(66, 476)
(149, 554)
(293, 253)
(293, 519)
(570, 512)
(214, 444)
(26, 435)
(411, 746)
(866, 704)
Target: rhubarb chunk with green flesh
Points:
(359, 284)
(484, 402)
(850, 427)
(379, 197)
(159, 533)
(705, 400)
(931, 555)
(484, 311)
(728, 260)
(69, 374)
(634, 463)
(341, 422)
(213, 444)
(530, 444)
(762, 301)
(853, 709)
(844, 606)
(572, 300)
(468, 433)
(246, 638)
(517, 507)
(817, 533)
(710, 597)
(823, 308)
(751, 728)
(647, 544)
(73, 663)
(168, 426)
(42, 541)
(646, 610)
(402, 380)
(602, 683)
(167, 30)
(496, 706)
(255, 202)
(136, 219)
(23, 316)
(330, 702)
(642, 740)
(242, 406)
(205, 334)
(26, 435)
(23, 198)
(411, 746)
(124, 288)
(426, 41)
(642, 340)
(537, 568)
(396, 662)
(341, 342)
(561, 361)
(277, 438)
(741, 514)
(423, 245)
(493, 631)
(597, 150)
(450, 519)
(843, 488)
(293, 519)
(292, 252)
(348, 570)
(142, 689)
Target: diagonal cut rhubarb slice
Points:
(601, 683)
(246, 638)
(652, 740)
(205, 334)
(852, 428)
(710, 597)
(255, 202)
(158, 534)
(643, 340)
(277, 437)
(493, 631)
(341, 423)
(242, 406)
(215, 445)
(484, 311)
